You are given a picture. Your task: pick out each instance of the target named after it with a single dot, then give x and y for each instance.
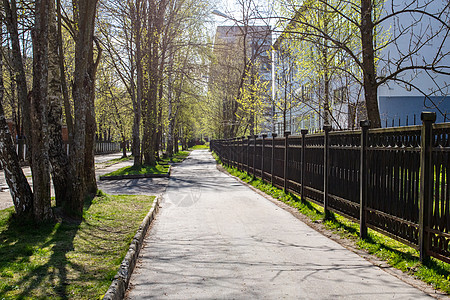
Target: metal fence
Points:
(393, 180)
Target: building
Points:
(242, 62)
(303, 96)
(423, 42)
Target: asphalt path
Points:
(215, 238)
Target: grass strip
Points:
(120, 159)
(139, 170)
(200, 147)
(69, 260)
(398, 255)
(177, 157)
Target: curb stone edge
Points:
(120, 282)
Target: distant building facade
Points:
(234, 46)
(399, 102)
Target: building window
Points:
(340, 95)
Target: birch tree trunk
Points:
(61, 175)
(19, 188)
(17, 63)
(39, 115)
(65, 91)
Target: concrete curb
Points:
(139, 176)
(120, 283)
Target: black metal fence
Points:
(393, 180)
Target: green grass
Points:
(199, 147)
(69, 260)
(140, 170)
(177, 157)
(120, 159)
(396, 254)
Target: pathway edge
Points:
(121, 281)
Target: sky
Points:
(232, 9)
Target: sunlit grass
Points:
(200, 147)
(69, 260)
(139, 170)
(177, 157)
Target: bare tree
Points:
(370, 36)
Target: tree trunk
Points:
(124, 146)
(17, 61)
(19, 188)
(61, 175)
(136, 15)
(84, 11)
(170, 109)
(369, 71)
(89, 168)
(149, 109)
(65, 92)
(39, 115)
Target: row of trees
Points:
(131, 67)
(157, 53)
(40, 105)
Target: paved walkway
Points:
(217, 239)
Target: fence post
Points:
(242, 147)
(426, 181)
(224, 152)
(304, 132)
(262, 155)
(237, 156)
(274, 135)
(230, 151)
(326, 163)
(254, 156)
(363, 169)
(248, 153)
(286, 158)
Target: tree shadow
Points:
(24, 250)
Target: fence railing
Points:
(393, 180)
